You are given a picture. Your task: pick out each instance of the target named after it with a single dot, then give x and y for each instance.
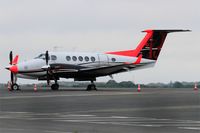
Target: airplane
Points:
(88, 66)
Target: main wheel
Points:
(55, 86)
(91, 87)
(15, 86)
(88, 88)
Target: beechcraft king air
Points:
(88, 66)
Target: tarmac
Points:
(153, 110)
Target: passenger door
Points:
(103, 59)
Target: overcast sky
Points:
(29, 27)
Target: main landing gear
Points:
(91, 86)
(55, 86)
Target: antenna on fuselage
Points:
(55, 48)
(74, 49)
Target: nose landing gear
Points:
(14, 85)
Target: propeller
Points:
(47, 63)
(11, 59)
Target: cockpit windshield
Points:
(41, 56)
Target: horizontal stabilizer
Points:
(167, 31)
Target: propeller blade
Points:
(11, 57)
(48, 80)
(11, 77)
(47, 57)
(47, 63)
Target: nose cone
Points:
(13, 69)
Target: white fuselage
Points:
(32, 69)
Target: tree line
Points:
(122, 84)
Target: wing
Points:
(113, 69)
(75, 71)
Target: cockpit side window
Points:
(53, 57)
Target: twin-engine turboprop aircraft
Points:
(88, 66)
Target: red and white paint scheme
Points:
(88, 66)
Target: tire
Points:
(91, 87)
(15, 87)
(54, 86)
(88, 88)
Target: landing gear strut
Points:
(55, 86)
(14, 85)
(91, 86)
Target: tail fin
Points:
(150, 46)
(151, 49)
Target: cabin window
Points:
(113, 59)
(53, 57)
(68, 58)
(74, 58)
(80, 58)
(93, 59)
(86, 58)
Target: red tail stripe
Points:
(143, 42)
(134, 53)
(138, 60)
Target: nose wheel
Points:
(15, 86)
